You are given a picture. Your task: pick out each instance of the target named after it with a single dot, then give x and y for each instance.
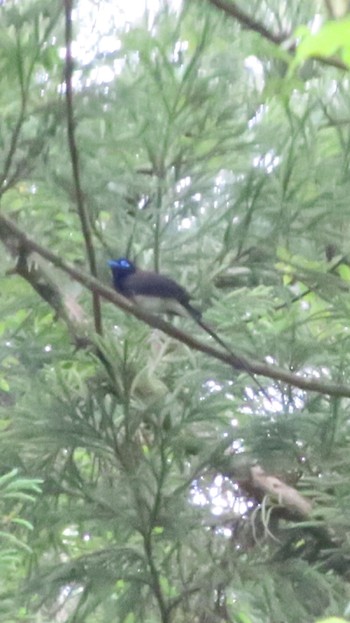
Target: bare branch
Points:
(82, 213)
(230, 8)
(280, 492)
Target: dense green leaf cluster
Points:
(141, 480)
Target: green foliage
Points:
(126, 484)
(17, 494)
(333, 38)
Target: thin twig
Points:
(230, 8)
(74, 155)
(20, 120)
(155, 582)
(24, 83)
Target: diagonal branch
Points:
(230, 8)
(74, 155)
(241, 362)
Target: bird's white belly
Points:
(156, 305)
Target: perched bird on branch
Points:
(157, 293)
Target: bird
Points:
(157, 293)
(151, 291)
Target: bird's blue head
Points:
(121, 267)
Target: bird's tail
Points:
(239, 363)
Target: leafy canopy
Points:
(143, 477)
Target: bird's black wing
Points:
(146, 283)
